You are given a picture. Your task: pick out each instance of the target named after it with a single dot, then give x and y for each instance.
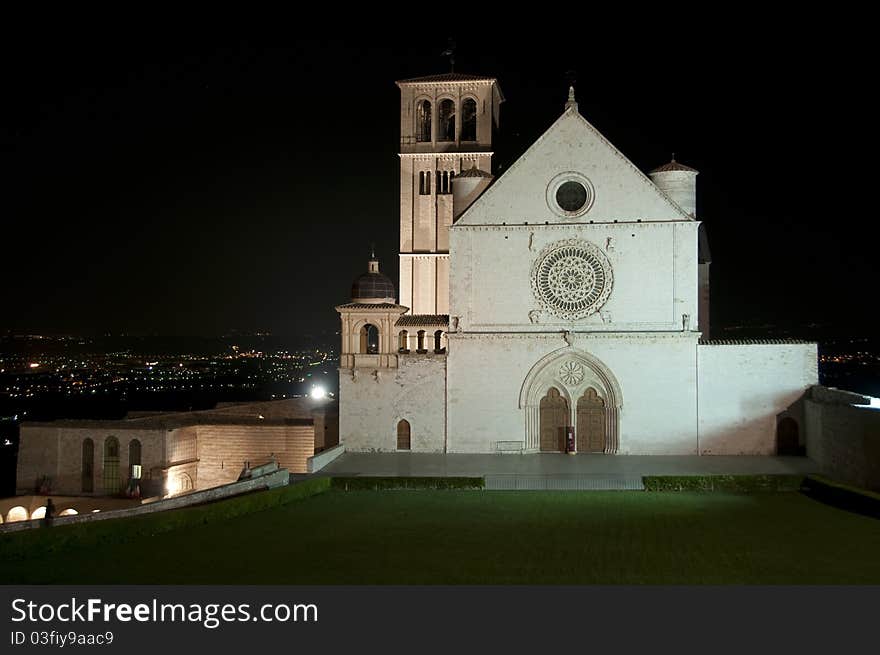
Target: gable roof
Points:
(571, 144)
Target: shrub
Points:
(367, 483)
(729, 483)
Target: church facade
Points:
(563, 306)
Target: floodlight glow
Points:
(318, 392)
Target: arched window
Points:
(421, 341)
(111, 478)
(469, 120)
(17, 513)
(134, 452)
(88, 466)
(403, 435)
(369, 339)
(447, 121)
(403, 341)
(438, 335)
(423, 121)
(134, 458)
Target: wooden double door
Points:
(556, 417)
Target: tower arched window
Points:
(369, 339)
(469, 120)
(446, 120)
(423, 121)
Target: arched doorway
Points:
(403, 435)
(590, 423)
(571, 372)
(554, 419)
(88, 466)
(787, 437)
(112, 480)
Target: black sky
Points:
(188, 184)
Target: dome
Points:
(672, 167)
(373, 286)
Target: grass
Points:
(468, 537)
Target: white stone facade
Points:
(577, 300)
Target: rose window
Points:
(571, 373)
(572, 279)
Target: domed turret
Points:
(679, 182)
(373, 286)
(468, 186)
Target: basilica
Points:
(560, 307)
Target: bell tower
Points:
(446, 129)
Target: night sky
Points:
(187, 184)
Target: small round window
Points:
(571, 196)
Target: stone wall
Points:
(743, 390)
(278, 478)
(655, 376)
(57, 452)
(371, 406)
(843, 436)
(223, 449)
(654, 269)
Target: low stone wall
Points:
(278, 478)
(843, 436)
(319, 461)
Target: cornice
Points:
(578, 336)
(446, 155)
(546, 225)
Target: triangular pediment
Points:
(572, 147)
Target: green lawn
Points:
(480, 537)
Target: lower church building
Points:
(563, 306)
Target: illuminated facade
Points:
(567, 297)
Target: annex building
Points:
(562, 306)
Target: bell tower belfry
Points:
(446, 129)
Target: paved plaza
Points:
(561, 465)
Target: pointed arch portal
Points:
(589, 392)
